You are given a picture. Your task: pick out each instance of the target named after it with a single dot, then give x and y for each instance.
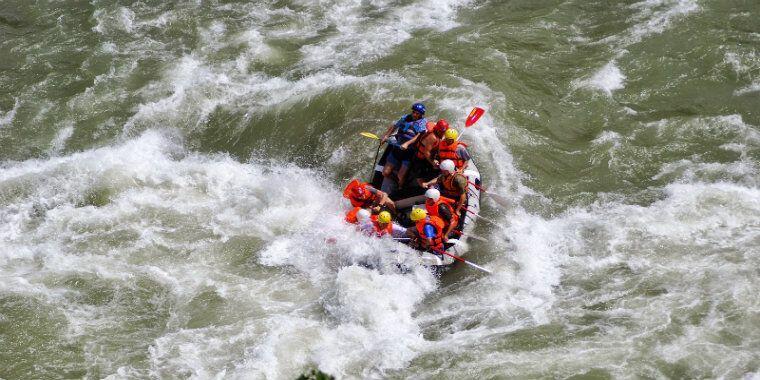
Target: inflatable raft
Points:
(411, 196)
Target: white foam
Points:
(59, 141)
(607, 79)
(361, 39)
(751, 88)
(7, 117)
(657, 16)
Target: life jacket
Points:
(407, 128)
(449, 189)
(382, 231)
(366, 201)
(351, 215)
(432, 208)
(449, 152)
(419, 147)
(437, 223)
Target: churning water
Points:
(170, 171)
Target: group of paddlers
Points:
(432, 155)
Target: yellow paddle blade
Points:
(370, 135)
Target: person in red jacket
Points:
(362, 194)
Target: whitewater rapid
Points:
(175, 216)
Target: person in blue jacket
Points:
(408, 130)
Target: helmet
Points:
(362, 215)
(384, 217)
(417, 214)
(419, 107)
(433, 194)
(451, 134)
(441, 126)
(447, 166)
(358, 192)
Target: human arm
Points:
(427, 184)
(465, 156)
(461, 183)
(405, 145)
(387, 133)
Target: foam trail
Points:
(7, 117)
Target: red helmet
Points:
(441, 126)
(358, 192)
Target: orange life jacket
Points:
(437, 241)
(367, 200)
(382, 231)
(351, 215)
(420, 148)
(433, 207)
(449, 152)
(449, 189)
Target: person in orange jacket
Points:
(442, 207)
(427, 232)
(382, 224)
(424, 164)
(451, 149)
(451, 184)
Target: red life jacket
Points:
(433, 206)
(359, 195)
(437, 223)
(382, 231)
(449, 152)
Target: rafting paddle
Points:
(496, 197)
(474, 115)
(455, 257)
(374, 162)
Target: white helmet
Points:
(433, 194)
(362, 215)
(447, 166)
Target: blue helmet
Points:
(419, 107)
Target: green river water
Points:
(169, 171)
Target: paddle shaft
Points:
(455, 257)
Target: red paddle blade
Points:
(474, 115)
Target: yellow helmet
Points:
(451, 134)
(418, 214)
(384, 217)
